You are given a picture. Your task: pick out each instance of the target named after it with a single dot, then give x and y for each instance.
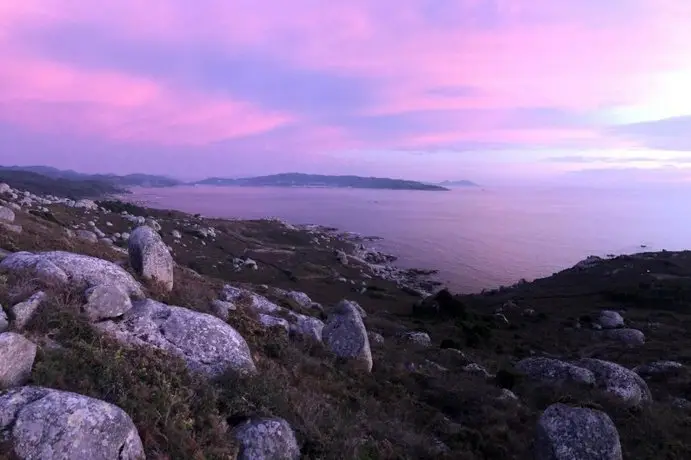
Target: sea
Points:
(477, 238)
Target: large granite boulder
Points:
(554, 371)
(266, 439)
(150, 257)
(574, 433)
(346, 336)
(618, 381)
(46, 424)
(67, 268)
(629, 337)
(17, 356)
(24, 311)
(106, 301)
(207, 344)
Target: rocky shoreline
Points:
(147, 333)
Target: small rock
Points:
(375, 338)
(109, 224)
(574, 433)
(630, 337)
(4, 322)
(529, 312)
(681, 403)
(17, 356)
(42, 423)
(176, 234)
(476, 369)
(106, 301)
(658, 368)
(507, 395)
(345, 335)
(149, 256)
(272, 321)
(125, 236)
(610, 319)
(418, 338)
(554, 371)
(24, 311)
(266, 438)
(86, 204)
(342, 257)
(153, 224)
(4, 188)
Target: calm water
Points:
(476, 238)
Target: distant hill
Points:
(318, 180)
(129, 180)
(45, 185)
(458, 183)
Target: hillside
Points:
(223, 335)
(120, 181)
(72, 188)
(317, 180)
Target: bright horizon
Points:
(487, 90)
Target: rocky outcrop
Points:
(574, 433)
(207, 344)
(266, 439)
(618, 381)
(17, 356)
(67, 268)
(106, 301)
(46, 424)
(554, 371)
(610, 319)
(149, 256)
(345, 335)
(24, 311)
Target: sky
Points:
(487, 90)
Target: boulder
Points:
(476, 369)
(42, 423)
(575, 433)
(176, 234)
(153, 224)
(73, 269)
(345, 335)
(4, 322)
(618, 381)
(630, 337)
(658, 368)
(418, 338)
(375, 338)
(86, 204)
(24, 311)
(306, 326)
(10, 227)
(17, 356)
(353, 304)
(266, 438)
(207, 344)
(272, 321)
(106, 301)
(342, 257)
(87, 236)
(149, 256)
(6, 214)
(554, 371)
(610, 319)
(4, 188)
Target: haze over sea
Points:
(477, 238)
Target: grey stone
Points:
(149, 256)
(658, 368)
(610, 319)
(221, 309)
(342, 257)
(125, 236)
(352, 303)
(554, 371)
(306, 326)
(87, 236)
(106, 301)
(4, 322)
(24, 311)
(476, 369)
(266, 439)
(345, 335)
(630, 337)
(153, 224)
(4, 188)
(618, 381)
(17, 356)
(74, 269)
(507, 395)
(46, 424)
(176, 234)
(376, 338)
(574, 433)
(86, 204)
(207, 344)
(6, 214)
(272, 321)
(418, 338)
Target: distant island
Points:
(457, 183)
(318, 180)
(73, 184)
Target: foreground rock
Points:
(24, 311)
(618, 381)
(554, 371)
(47, 424)
(17, 356)
(66, 268)
(207, 344)
(268, 438)
(574, 433)
(106, 301)
(150, 257)
(6, 214)
(345, 335)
